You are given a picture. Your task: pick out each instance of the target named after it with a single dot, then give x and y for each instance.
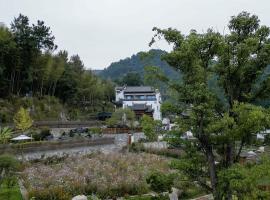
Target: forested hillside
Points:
(136, 64)
(31, 68)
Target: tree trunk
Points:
(239, 151)
(229, 155)
(212, 171)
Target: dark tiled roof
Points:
(119, 88)
(139, 89)
(143, 107)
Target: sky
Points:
(105, 31)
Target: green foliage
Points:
(171, 153)
(267, 139)
(246, 182)
(22, 120)
(30, 68)
(236, 62)
(8, 163)
(136, 64)
(150, 127)
(130, 79)
(43, 108)
(95, 130)
(123, 117)
(8, 192)
(160, 182)
(5, 134)
(8, 166)
(40, 135)
(192, 164)
(247, 120)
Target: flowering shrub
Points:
(107, 175)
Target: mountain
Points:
(136, 64)
(96, 71)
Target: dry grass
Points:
(111, 175)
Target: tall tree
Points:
(31, 41)
(237, 59)
(9, 61)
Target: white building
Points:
(140, 99)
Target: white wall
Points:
(119, 95)
(155, 104)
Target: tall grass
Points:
(109, 175)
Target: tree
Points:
(149, 127)
(76, 63)
(5, 134)
(122, 117)
(237, 60)
(30, 41)
(30, 68)
(22, 120)
(9, 61)
(131, 79)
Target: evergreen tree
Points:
(22, 120)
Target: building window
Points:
(151, 97)
(142, 97)
(128, 97)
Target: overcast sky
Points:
(105, 31)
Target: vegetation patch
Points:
(108, 175)
(10, 192)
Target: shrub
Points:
(44, 133)
(8, 166)
(160, 182)
(8, 163)
(136, 147)
(95, 130)
(173, 153)
(5, 134)
(40, 135)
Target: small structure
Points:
(166, 124)
(80, 197)
(141, 99)
(261, 135)
(21, 138)
(248, 157)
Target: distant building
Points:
(141, 99)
